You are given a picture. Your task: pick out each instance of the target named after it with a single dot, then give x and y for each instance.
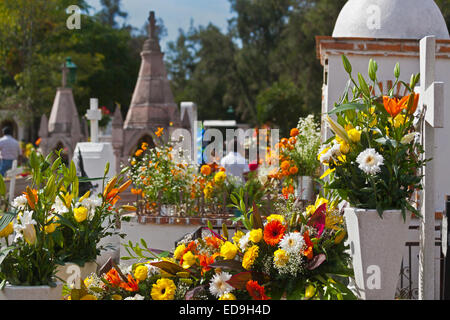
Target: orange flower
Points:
(38, 142)
(131, 285)
(113, 277)
(136, 191)
(213, 242)
(205, 261)
(159, 132)
(32, 197)
(285, 165)
(206, 170)
(294, 132)
(144, 146)
(394, 105)
(274, 232)
(113, 196)
(293, 170)
(292, 140)
(138, 152)
(284, 141)
(308, 251)
(256, 291)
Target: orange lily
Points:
(394, 105)
(32, 197)
(308, 252)
(113, 278)
(131, 285)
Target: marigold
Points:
(285, 165)
(294, 132)
(274, 232)
(220, 177)
(138, 152)
(256, 235)
(293, 170)
(250, 256)
(205, 170)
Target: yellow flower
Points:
(89, 297)
(178, 253)
(256, 235)
(278, 217)
(7, 230)
(208, 190)
(354, 135)
(163, 289)
(188, 260)
(280, 258)
(237, 236)
(344, 147)
(87, 281)
(228, 250)
(249, 257)
(310, 210)
(220, 177)
(85, 196)
(116, 297)
(310, 291)
(228, 296)
(140, 273)
(50, 228)
(80, 214)
(399, 120)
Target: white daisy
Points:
(20, 202)
(370, 161)
(292, 242)
(243, 242)
(219, 286)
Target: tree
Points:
(110, 11)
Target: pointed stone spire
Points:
(152, 104)
(117, 120)
(43, 127)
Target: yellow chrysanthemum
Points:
(141, 273)
(188, 260)
(228, 250)
(250, 256)
(163, 289)
(220, 177)
(178, 253)
(256, 235)
(280, 258)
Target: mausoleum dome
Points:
(390, 19)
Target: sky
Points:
(176, 14)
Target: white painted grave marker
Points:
(94, 115)
(12, 173)
(432, 98)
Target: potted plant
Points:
(28, 258)
(298, 161)
(372, 161)
(84, 222)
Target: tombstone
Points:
(95, 155)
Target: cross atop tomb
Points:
(94, 115)
(432, 99)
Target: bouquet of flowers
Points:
(157, 176)
(295, 254)
(375, 153)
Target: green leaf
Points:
(6, 219)
(2, 186)
(347, 106)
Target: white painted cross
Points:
(12, 173)
(94, 115)
(432, 98)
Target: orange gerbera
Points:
(274, 232)
(256, 291)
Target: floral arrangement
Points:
(106, 117)
(50, 224)
(375, 153)
(296, 254)
(157, 177)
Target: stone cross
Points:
(12, 173)
(432, 98)
(152, 29)
(94, 115)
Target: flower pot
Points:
(11, 292)
(376, 249)
(70, 271)
(305, 188)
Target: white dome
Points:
(390, 19)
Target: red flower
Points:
(308, 251)
(131, 285)
(253, 166)
(274, 232)
(256, 291)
